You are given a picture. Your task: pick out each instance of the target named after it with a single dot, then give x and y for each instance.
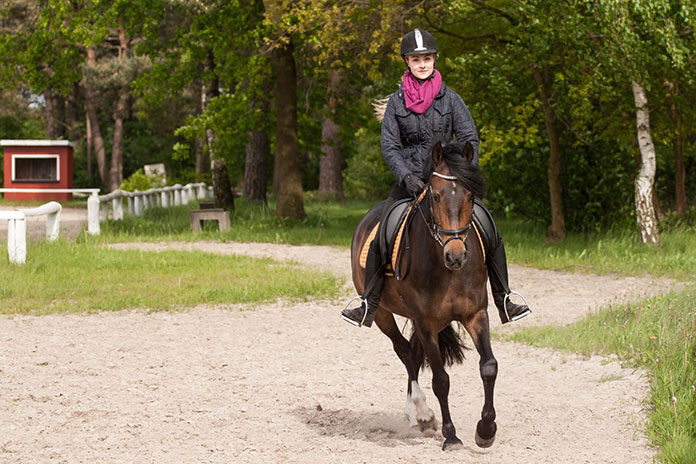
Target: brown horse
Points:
(445, 283)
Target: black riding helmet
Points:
(418, 42)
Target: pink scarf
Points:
(419, 96)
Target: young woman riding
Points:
(422, 111)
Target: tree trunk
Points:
(222, 189)
(99, 150)
(208, 92)
(199, 155)
(645, 213)
(556, 231)
(50, 114)
(330, 178)
(255, 167)
(289, 202)
(116, 173)
(59, 111)
(73, 113)
(330, 175)
(680, 203)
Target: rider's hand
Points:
(413, 184)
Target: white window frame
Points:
(44, 156)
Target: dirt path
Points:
(294, 383)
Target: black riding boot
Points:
(374, 281)
(496, 263)
(498, 276)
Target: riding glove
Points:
(413, 184)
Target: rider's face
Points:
(421, 66)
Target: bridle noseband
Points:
(434, 229)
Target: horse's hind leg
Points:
(416, 409)
(478, 328)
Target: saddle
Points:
(393, 238)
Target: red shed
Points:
(38, 164)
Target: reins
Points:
(434, 229)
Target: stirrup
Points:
(519, 316)
(363, 303)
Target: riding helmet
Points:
(418, 42)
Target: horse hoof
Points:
(484, 442)
(427, 425)
(452, 444)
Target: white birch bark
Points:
(645, 181)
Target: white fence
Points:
(98, 205)
(17, 228)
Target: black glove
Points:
(413, 184)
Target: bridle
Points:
(435, 230)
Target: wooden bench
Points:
(212, 214)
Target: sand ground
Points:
(293, 383)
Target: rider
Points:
(420, 112)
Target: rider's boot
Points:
(498, 276)
(374, 281)
(496, 263)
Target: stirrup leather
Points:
(347, 319)
(519, 316)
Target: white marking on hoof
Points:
(417, 411)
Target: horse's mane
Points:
(468, 173)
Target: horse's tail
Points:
(451, 345)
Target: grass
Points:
(67, 277)
(611, 252)
(657, 334)
(331, 223)
(327, 223)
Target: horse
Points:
(445, 284)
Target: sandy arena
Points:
(293, 383)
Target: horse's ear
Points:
(468, 152)
(437, 153)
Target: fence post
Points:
(138, 203)
(177, 195)
(93, 227)
(117, 206)
(53, 225)
(201, 191)
(17, 239)
(165, 197)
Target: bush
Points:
(141, 181)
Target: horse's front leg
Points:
(416, 409)
(429, 339)
(479, 330)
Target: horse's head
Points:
(454, 183)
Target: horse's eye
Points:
(436, 198)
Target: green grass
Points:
(327, 223)
(659, 335)
(331, 223)
(611, 252)
(70, 277)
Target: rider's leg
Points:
(374, 272)
(496, 263)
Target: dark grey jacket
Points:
(408, 136)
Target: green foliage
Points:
(141, 181)
(657, 334)
(367, 176)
